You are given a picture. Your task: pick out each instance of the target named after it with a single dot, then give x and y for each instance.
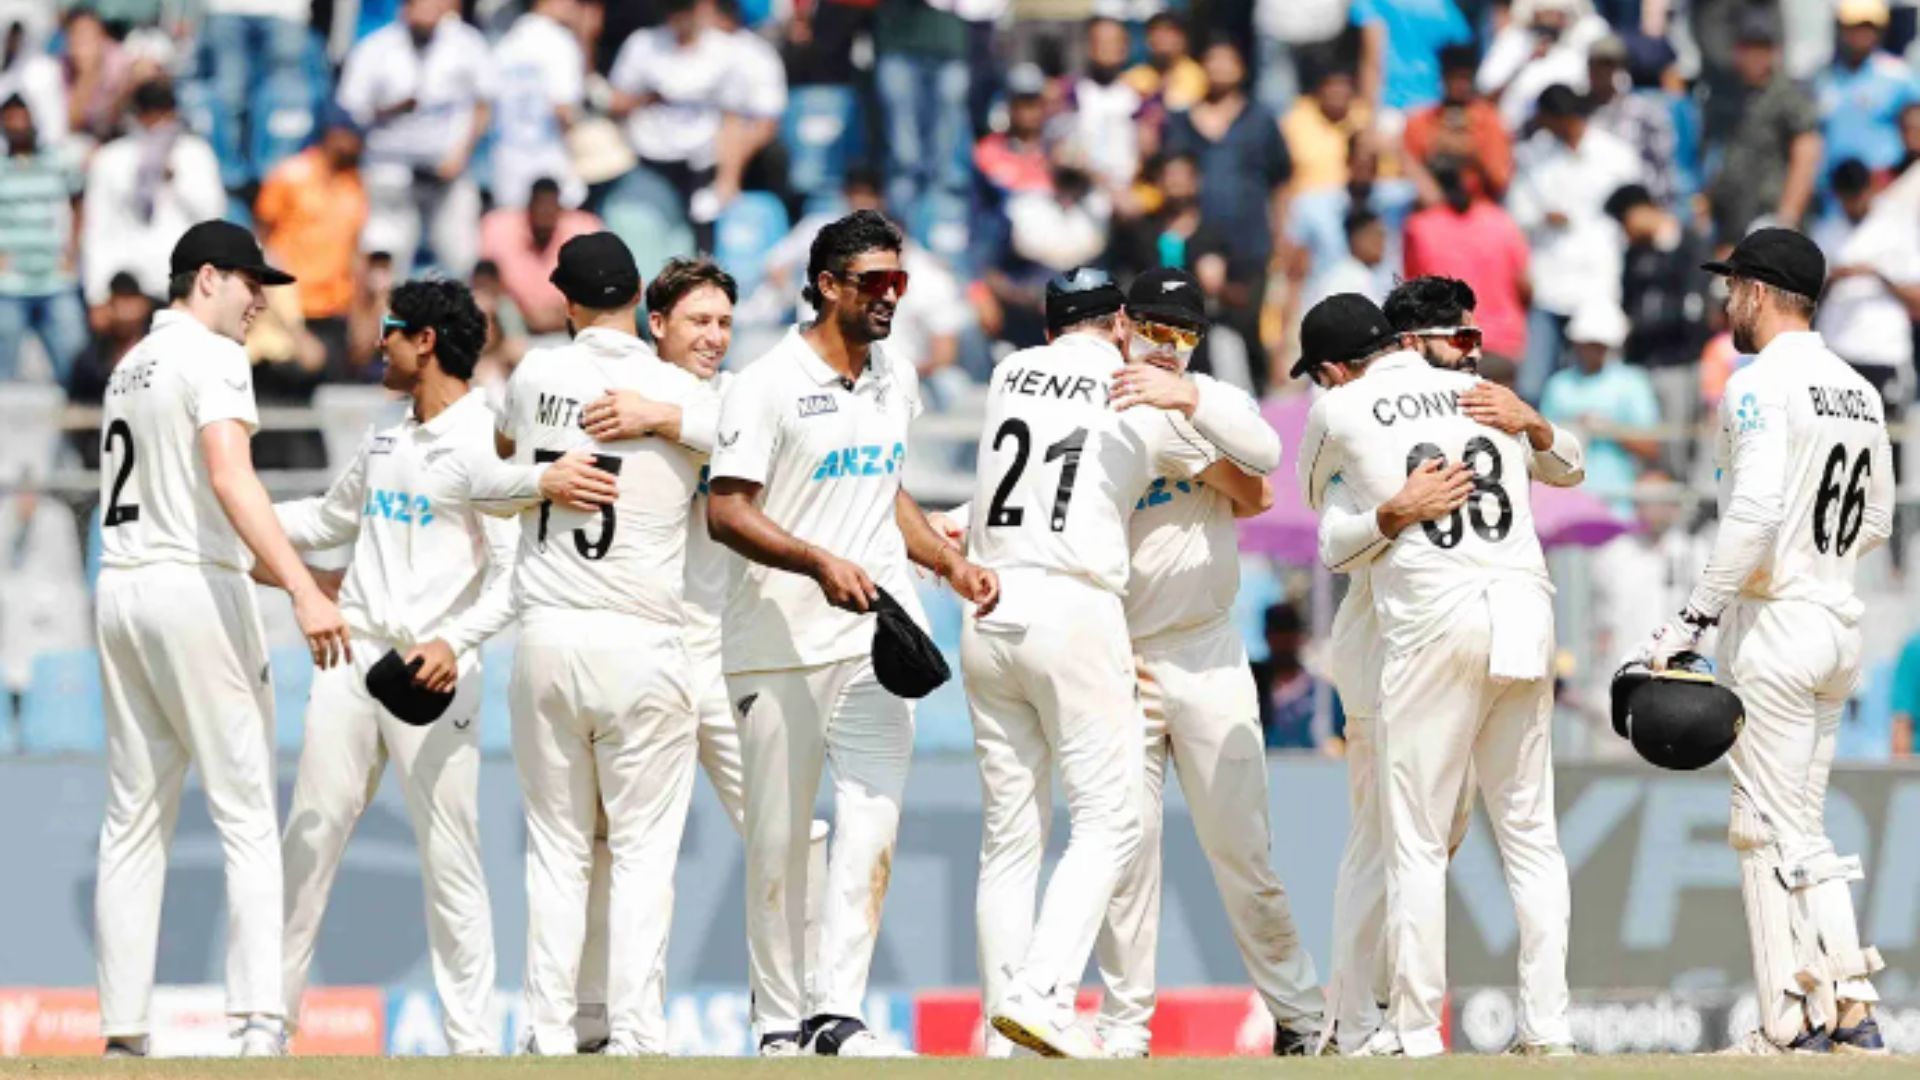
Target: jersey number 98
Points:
(1450, 530)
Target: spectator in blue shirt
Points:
(1289, 693)
(1862, 94)
(1906, 698)
(1608, 401)
(1401, 42)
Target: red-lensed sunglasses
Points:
(878, 282)
(1463, 338)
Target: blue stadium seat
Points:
(747, 230)
(284, 111)
(63, 712)
(823, 135)
(644, 211)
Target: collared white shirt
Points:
(757, 85)
(1860, 318)
(120, 232)
(829, 457)
(1572, 261)
(691, 83)
(629, 557)
(447, 79)
(1061, 472)
(156, 500)
(537, 68)
(712, 567)
(425, 507)
(1370, 434)
(1803, 438)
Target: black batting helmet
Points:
(1679, 718)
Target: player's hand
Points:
(574, 482)
(1499, 408)
(1680, 634)
(1144, 384)
(976, 583)
(949, 530)
(623, 414)
(1431, 492)
(322, 626)
(439, 670)
(845, 585)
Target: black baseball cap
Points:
(224, 246)
(597, 271)
(390, 681)
(1167, 295)
(1079, 295)
(1781, 258)
(1344, 326)
(905, 659)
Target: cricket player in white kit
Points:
(1434, 316)
(603, 714)
(1196, 688)
(430, 577)
(1050, 673)
(690, 314)
(806, 484)
(1806, 488)
(183, 662)
(1463, 694)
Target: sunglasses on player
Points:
(1464, 338)
(1172, 337)
(875, 283)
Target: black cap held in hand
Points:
(1167, 296)
(1079, 295)
(1781, 258)
(224, 246)
(1343, 327)
(597, 271)
(390, 681)
(905, 659)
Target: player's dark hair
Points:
(843, 241)
(180, 285)
(1102, 323)
(1427, 302)
(682, 276)
(446, 308)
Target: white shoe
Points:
(1123, 1047)
(262, 1039)
(626, 1046)
(1045, 1027)
(782, 1046)
(1383, 1043)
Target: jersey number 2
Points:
(1450, 530)
(598, 549)
(1853, 507)
(118, 514)
(999, 514)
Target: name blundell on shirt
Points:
(1030, 383)
(1842, 403)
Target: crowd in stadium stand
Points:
(1573, 160)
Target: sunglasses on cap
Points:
(390, 323)
(1464, 338)
(877, 282)
(1173, 337)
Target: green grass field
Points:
(593, 1068)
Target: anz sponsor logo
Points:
(869, 460)
(398, 506)
(1162, 491)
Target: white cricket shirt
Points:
(1186, 550)
(1803, 437)
(537, 68)
(711, 565)
(425, 507)
(446, 79)
(1061, 473)
(156, 500)
(628, 557)
(692, 86)
(1372, 433)
(830, 458)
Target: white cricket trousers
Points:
(1443, 724)
(1794, 665)
(792, 724)
(1362, 967)
(1201, 708)
(603, 717)
(349, 739)
(1060, 692)
(184, 676)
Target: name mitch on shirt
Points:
(1842, 404)
(552, 410)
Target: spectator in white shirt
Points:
(28, 70)
(1544, 43)
(1364, 269)
(1103, 110)
(539, 72)
(1562, 178)
(753, 99)
(143, 190)
(1873, 290)
(420, 88)
(670, 86)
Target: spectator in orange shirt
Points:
(525, 245)
(310, 212)
(1465, 127)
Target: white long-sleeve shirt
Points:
(425, 507)
(119, 233)
(1806, 481)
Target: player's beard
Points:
(863, 323)
(1740, 319)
